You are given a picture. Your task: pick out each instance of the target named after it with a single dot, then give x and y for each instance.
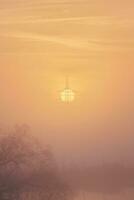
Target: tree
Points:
(27, 170)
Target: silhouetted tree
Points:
(28, 171)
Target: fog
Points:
(91, 43)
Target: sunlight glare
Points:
(67, 95)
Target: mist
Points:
(51, 148)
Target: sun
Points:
(67, 95)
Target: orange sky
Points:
(93, 43)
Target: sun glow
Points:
(67, 95)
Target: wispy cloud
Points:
(40, 20)
(72, 43)
(89, 44)
(87, 20)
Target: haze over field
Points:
(92, 42)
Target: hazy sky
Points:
(41, 42)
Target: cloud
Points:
(36, 20)
(87, 20)
(72, 43)
(90, 44)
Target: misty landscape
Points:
(66, 99)
(30, 171)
